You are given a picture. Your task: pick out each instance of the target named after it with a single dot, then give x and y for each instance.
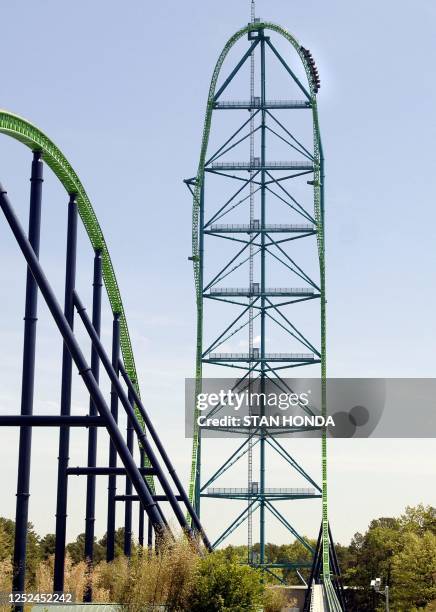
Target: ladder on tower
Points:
(251, 313)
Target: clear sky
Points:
(122, 91)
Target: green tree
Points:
(7, 532)
(383, 552)
(414, 572)
(296, 552)
(225, 586)
(119, 543)
(7, 528)
(47, 546)
(76, 550)
(419, 519)
(370, 556)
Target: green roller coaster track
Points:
(319, 216)
(28, 134)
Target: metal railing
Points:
(297, 165)
(268, 491)
(256, 355)
(303, 227)
(256, 103)
(257, 291)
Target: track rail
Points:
(32, 137)
(22, 130)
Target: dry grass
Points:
(148, 580)
(76, 577)
(142, 582)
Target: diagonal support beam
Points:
(284, 453)
(236, 70)
(130, 411)
(239, 520)
(288, 526)
(214, 343)
(234, 457)
(80, 361)
(288, 70)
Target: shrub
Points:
(149, 579)
(274, 600)
(225, 586)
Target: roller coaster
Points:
(140, 457)
(155, 465)
(261, 235)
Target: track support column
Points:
(28, 377)
(128, 503)
(150, 536)
(141, 517)
(112, 481)
(92, 434)
(64, 435)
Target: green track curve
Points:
(25, 132)
(319, 216)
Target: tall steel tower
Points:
(250, 284)
(257, 216)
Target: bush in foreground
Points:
(222, 585)
(176, 578)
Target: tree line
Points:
(399, 550)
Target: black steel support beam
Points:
(92, 435)
(128, 490)
(153, 434)
(112, 481)
(103, 471)
(67, 369)
(132, 498)
(28, 377)
(150, 536)
(37, 420)
(141, 518)
(84, 370)
(143, 440)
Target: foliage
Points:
(76, 550)
(274, 600)
(5, 575)
(7, 530)
(419, 519)
(293, 552)
(223, 585)
(414, 571)
(151, 579)
(47, 546)
(401, 551)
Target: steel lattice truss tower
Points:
(258, 254)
